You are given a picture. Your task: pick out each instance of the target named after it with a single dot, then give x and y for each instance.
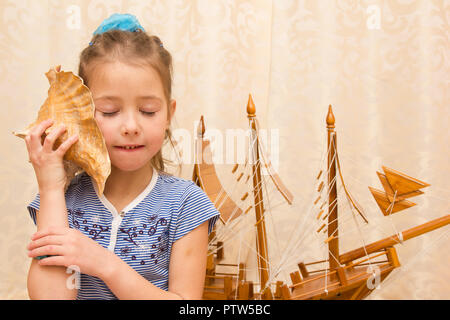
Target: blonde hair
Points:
(132, 48)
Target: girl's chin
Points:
(131, 167)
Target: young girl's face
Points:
(131, 111)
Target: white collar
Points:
(133, 203)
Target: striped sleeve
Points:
(35, 204)
(195, 209)
(33, 207)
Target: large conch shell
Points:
(70, 103)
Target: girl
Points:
(146, 237)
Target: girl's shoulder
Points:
(79, 184)
(80, 179)
(178, 186)
(174, 180)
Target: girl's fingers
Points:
(62, 149)
(51, 138)
(33, 140)
(48, 240)
(53, 261)
(49, 250)
(27, 143)
(37, 132)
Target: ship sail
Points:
(397, 187)
(206, 177)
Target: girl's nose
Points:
(130, 126)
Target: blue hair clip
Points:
(119, 21)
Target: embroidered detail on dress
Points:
(156, 249)
(152, 218)
(161, 247)
(73, 215)
(95, 230)
(131, 232)
(96, 233)
(125, 251)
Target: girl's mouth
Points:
(129, 148)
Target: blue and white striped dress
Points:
(143, 233)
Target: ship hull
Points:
(359, 284)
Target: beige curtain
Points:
(382, 64)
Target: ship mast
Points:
(333, 240)
(261, 238)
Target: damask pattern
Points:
(383, 65)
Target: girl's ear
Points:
(172, 108)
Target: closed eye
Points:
(109, 113)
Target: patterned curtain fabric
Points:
(383, 65)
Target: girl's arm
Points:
(45, 282)
(186, 272)
(49, 282)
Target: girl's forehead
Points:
(128, 78)
(117, 70)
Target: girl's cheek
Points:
(101, 123)
(106, 136)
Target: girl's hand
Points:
(69, 247)
(48, 163)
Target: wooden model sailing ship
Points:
(350, 275)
